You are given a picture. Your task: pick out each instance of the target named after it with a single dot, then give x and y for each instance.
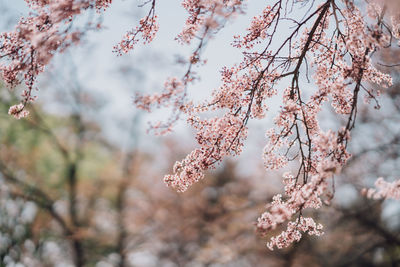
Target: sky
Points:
(96, 68)
(115, 79)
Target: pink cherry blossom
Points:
(384, 190)
(323, 59)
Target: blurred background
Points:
(81, 180)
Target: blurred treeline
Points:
(69, 197)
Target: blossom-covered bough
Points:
(328, 43)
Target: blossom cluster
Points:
(146, 31)
(294, 232)
(18, 111)
(36, 39)
(384, 190)
(297, 197)
(206, 15)
(258, 30)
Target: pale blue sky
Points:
(97, 67)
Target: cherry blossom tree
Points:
(330, 44)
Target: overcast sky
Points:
(98, 69)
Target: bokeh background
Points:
(81, 180)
